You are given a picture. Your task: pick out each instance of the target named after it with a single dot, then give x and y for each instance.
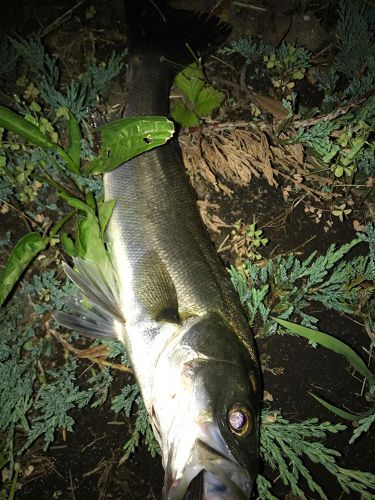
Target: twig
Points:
(337, 112)
(93, 354)
(223, 62)
(221, 247)
(317, 195)
(243, 77)
(22, 214)
(249, 6)
(71, 484)
(294, 250)
(60, 20)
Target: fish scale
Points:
(156, 210)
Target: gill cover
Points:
(208, 411)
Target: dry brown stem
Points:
(237, 152)
(355, 103)
(94, 354)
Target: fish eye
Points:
(240, 420)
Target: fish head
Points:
(207, 411)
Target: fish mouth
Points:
(211, 473)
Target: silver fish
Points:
(185, 331)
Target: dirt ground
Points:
(86, 465)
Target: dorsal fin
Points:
(96, 311)
(155, 289)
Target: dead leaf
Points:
(271, 105)
(31, 92)
(298, 178)
(286, 192)
(28, 471)
(267, 396)
(357, 226)
(39, 218)
(270, 419)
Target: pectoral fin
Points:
(95, 311)
(156, 291)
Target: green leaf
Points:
(89, 242)
(358, 144)
(208, 99)
(90, 200)
(124, 139)
(190, 81)
(26, 249)
(78, 204)
(19, 125)
(298, 75)
(331, 154)
(68, 245)
(184, 116)
(331, 343)
(363, 426)
(32, 133)
(74, 148)
(339, 170)
(347, 415)
(55, 229)
(105, 210)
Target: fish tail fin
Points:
(95, 311)
(152, 25)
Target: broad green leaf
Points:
(68, 245)
(26, 249)
(124, 139)
(208, 99)
(105, 210)
(339, 171)
(74, 148)
(89, 242)
(331, 343)
(183, 115)
(90, 200)
(190, 81)
(335, 409)
(19, 125)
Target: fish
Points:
(170, 299)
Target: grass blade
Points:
(75, 136)
(332, 343)
(347, 415)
